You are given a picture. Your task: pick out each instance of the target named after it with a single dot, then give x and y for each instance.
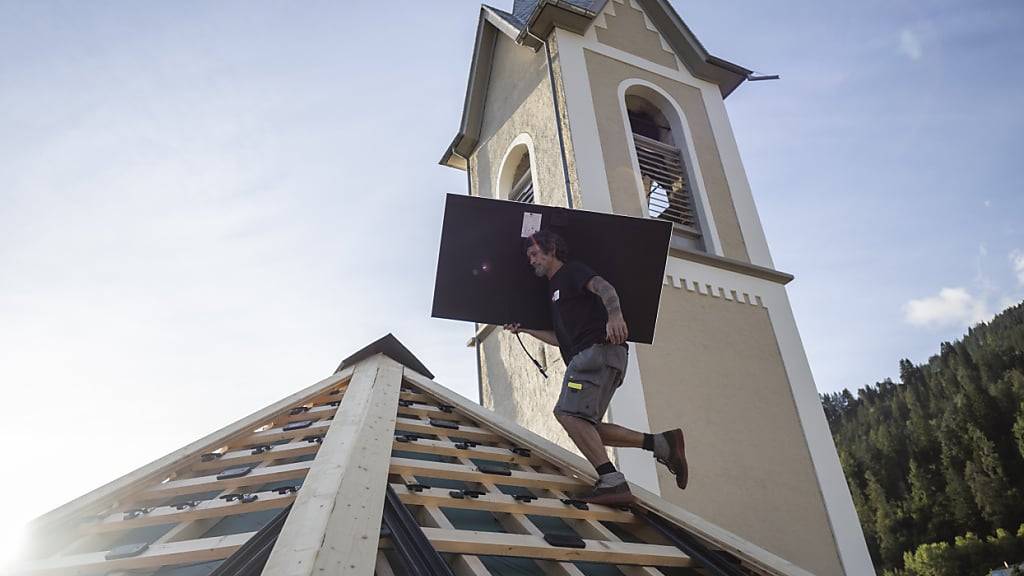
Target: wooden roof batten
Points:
(334, 521)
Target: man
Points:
(591, 334)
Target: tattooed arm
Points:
(617, 331)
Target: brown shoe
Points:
(618, 495)
(677, 457)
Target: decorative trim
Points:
(706, 289)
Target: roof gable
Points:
(534, 19)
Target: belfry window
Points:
(522, 181)
(666, 184)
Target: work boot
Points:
(609, 495)
(670, 450)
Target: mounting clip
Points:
(578, 504)
(527, 498)
(298, 410)
(211, 456)
(444, 424)
(297, 425)
(416, 487)
(524, 452)
(261, 449)
(136, 512)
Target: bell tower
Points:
(615, 106)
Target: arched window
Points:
(659, 140)
(522, 181)
(515, 179)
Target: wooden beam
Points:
(498, 502)
(240, 457)
(216, 508)
(530, 546)
(334, 525)
(468, 432)
(276, 434)
(428, 411)
(448, 448)
(207, 483)
(184, 552)
(460, 472)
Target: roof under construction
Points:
(376, 470)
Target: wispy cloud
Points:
(950, 307)
(1017, 263)
(910, 44)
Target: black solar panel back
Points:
(483, 274)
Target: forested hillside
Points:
(940, 454)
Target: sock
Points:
(606, 468)
(648, 442)
(661, 448)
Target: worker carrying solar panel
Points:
(590, 331)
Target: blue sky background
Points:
(205, 206)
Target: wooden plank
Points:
(240, 457)
(447, 448)
(468, 432)
(572, 463)
(460, 472)
(428, 411)
(530, 546)
(207, 483)
(334, 525)
(277, 434)
(323, 412)
(498, 502)
(184, 552)
(216, 508)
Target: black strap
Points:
(530, 356)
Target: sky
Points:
(205, 206)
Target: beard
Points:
(539, 271)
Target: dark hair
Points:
(550, 242)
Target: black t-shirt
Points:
(579, 315)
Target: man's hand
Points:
(617, 331)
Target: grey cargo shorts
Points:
(590, 380)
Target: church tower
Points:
(615, 106)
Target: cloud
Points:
(910, 44)
(951, 307)
(1017, 262)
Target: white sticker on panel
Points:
(531, 224)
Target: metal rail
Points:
(714, 563)
(419, 556)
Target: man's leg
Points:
(586, 437)
(619, 436)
